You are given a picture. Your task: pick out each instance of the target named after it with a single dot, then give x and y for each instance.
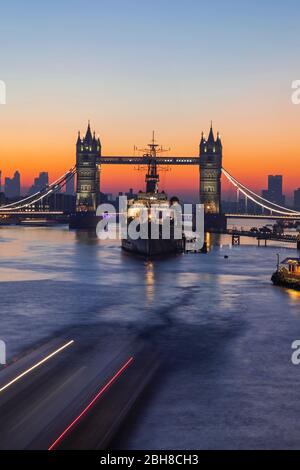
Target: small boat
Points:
(287, 273)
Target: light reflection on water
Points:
(225, 329)
(149, 279)
(294, 296)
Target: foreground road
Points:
(73, 392)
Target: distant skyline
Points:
(131, 67)
(228, 194)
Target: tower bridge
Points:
(89, 160)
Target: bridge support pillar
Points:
(236, 239)
(261, 239)
(88, 154)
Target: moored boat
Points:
(288, 274)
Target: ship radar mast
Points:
(152, 176)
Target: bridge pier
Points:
(261, 239)
(236, 239)
(298, 241)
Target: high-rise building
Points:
(40, 182)
(12, 186)
(210, 173)
(274, 192)
(297, 199)
(61, 202)
(2, 195)
(130, 194)
(70, 186)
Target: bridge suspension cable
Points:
(38, 196)
(259, 200)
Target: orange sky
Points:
(129, 77)
(250, 153)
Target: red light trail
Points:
(86, 409)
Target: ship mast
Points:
(152, 176)
(150, 155)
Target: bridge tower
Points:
(210, 173)
(210, 178)
(88, 153)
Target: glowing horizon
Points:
(236, 70)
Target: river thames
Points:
(223, 330)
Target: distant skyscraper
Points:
(130, 194)
(297, 199)
(2, 195)
(61, 202)
(39, 182)
(70, 186)
(274, 191)
(12, 186)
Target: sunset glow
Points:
(128, 83)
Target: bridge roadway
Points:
(264, 236)
(59, 215)
(30, 214)
(263, 216)
(74, 391)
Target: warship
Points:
(155, 212)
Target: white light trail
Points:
(4, 387)
(240, 185)
(13, 206)
(244, 190)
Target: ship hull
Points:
(279, 279)
(152, 248)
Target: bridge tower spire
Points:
(210, 174)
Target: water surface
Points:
(224, 330)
